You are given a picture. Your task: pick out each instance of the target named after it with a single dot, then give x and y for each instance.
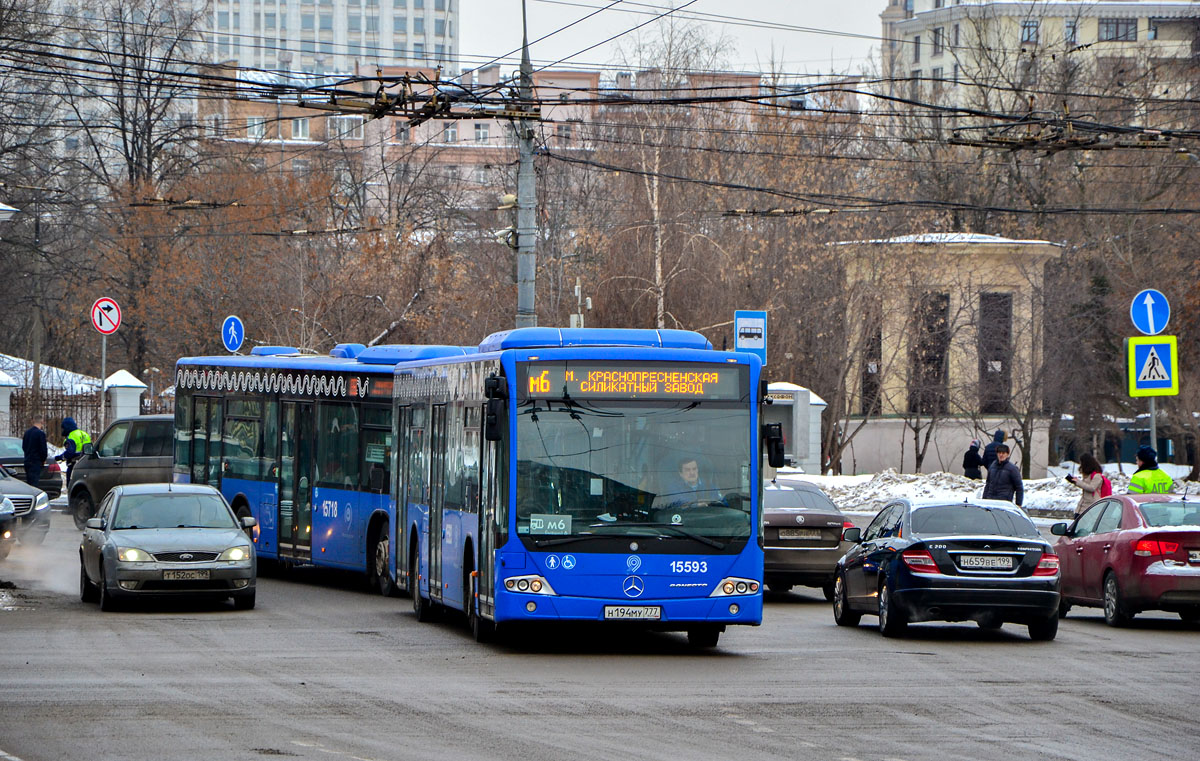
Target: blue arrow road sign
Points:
(1150, 311)
(233, 333)
(750, 333)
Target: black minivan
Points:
(132, 450)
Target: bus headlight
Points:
(530, 585)
(735, 586)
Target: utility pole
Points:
(526, 193)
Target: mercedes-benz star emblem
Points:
(633, 586)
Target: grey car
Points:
(802, 536)
(166, 539)
(132, 450)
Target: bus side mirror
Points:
(493, 387)
(773, 436)
(493, 425)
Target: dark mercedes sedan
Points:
(976, 560)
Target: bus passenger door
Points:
(400, 458)
(295, 480)
(486, 583)
(437, 477)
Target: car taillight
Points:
(1150, 547)
(1047, 566)
(53, 468)
(920, 561)
(847, 524)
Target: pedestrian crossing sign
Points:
(1153, 366)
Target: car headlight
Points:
(7, 507)
(241, 552)
(133, 555)
(42, 502)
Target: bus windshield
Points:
(670, 470)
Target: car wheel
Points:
(779, 587)
(827, 590)
(990, 623)
(383, 551)
(244, 601)
(891, 621)
(421, 606)
(842, 615)
(82, 508)
(703, 636)
(1044, 630)
(107, 602)
(87, 590)
(1064, 608)
(1115, 613)
(1190, 615)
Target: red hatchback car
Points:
(1130, 553)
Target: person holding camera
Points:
(1091, 482)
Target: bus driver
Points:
(687, 488)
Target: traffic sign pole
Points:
(103, 375)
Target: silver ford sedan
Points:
(166, 539)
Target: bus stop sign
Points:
(750, 333)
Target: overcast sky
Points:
(806, 36)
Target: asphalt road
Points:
(324, 670)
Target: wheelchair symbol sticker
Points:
(568, 562)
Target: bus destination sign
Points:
(556, 380)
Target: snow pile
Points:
(869, 493)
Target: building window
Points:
(299, 129)
(354, 23)
(914, 89)
(439, 5)
(306, 22)
(939, 3)
(482, 130)
(223, 21)
(939, 40)
(1152, 29)
(936, 75)
(439, 27)
(326, 22)
(917, 48)
(955, 73)
(956, 35)
(563, 132)
(1118, 30)
(419, 25)
(419, 5)
(871, 380)
(929, 366)
(1029, 32)
(400, 24)
(450, 133)
(1071, 32)
(345, 127)
(300, 166)
(402, 132)
(419, 51)
(269, 21)
(995, 352)
(256, 127)
(372, 24)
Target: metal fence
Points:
(54, 405)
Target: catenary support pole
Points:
(526, 195)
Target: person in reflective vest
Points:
(74, 438)
(1149, 478)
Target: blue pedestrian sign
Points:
(1150, 311)
(750, 333)
(1153, 366)
(233, 333)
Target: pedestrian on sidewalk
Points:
(1004, 479)
(34, 446)
(989, 452)
(1091, 482)
(972, 462)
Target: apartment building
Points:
(318, 36)
(950, 46)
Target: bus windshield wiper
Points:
(574, 538)
(677, 529)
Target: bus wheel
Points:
(421, 606)
(379, 569)
(703, 636)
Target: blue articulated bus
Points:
(583, 475)
(302, 442)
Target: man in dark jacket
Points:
(1004, 479)
(34, 446)
(989, 452)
